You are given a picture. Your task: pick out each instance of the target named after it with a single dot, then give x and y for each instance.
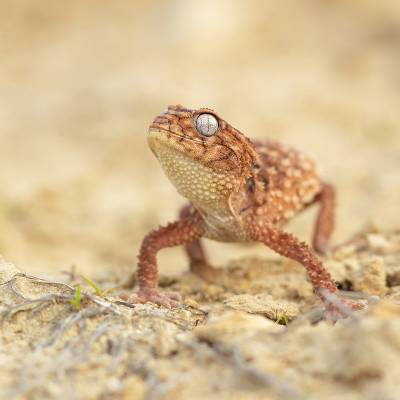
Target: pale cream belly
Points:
(222, 226)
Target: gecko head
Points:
(204, 157)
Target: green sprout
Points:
(282, 319)
(77, 300)
(97, 290)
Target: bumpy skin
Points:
(238, 190)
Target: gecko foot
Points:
(358, 242)
(166, 299)
(206, 272)
(337, 308)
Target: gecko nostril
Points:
(161, 119)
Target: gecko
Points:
(239, 190)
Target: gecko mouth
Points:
(161, 139)
(160, 136)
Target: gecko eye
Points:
(207, 124)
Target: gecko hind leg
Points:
(198, 261)
(325, 222)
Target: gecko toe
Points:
(342, 308)
(174, 296)
(165, 299)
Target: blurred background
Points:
(80, 81)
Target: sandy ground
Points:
(79, 84)
(253, 335)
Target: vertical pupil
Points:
(203, 124)
(206, 124)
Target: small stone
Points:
(165, 344)
(264, 305)
(192, 303)
(234, 327)
(377, 241)
(385, 310)
(7, 270)
(372, 278)
(337, 269)
(344, 252)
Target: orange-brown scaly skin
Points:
(238, 190)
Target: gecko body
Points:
(239, 191)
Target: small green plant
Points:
(77, 300)
(282, 319)
(98, 291)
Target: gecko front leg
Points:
(183, 231)
(325, 224)
(289, 246)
